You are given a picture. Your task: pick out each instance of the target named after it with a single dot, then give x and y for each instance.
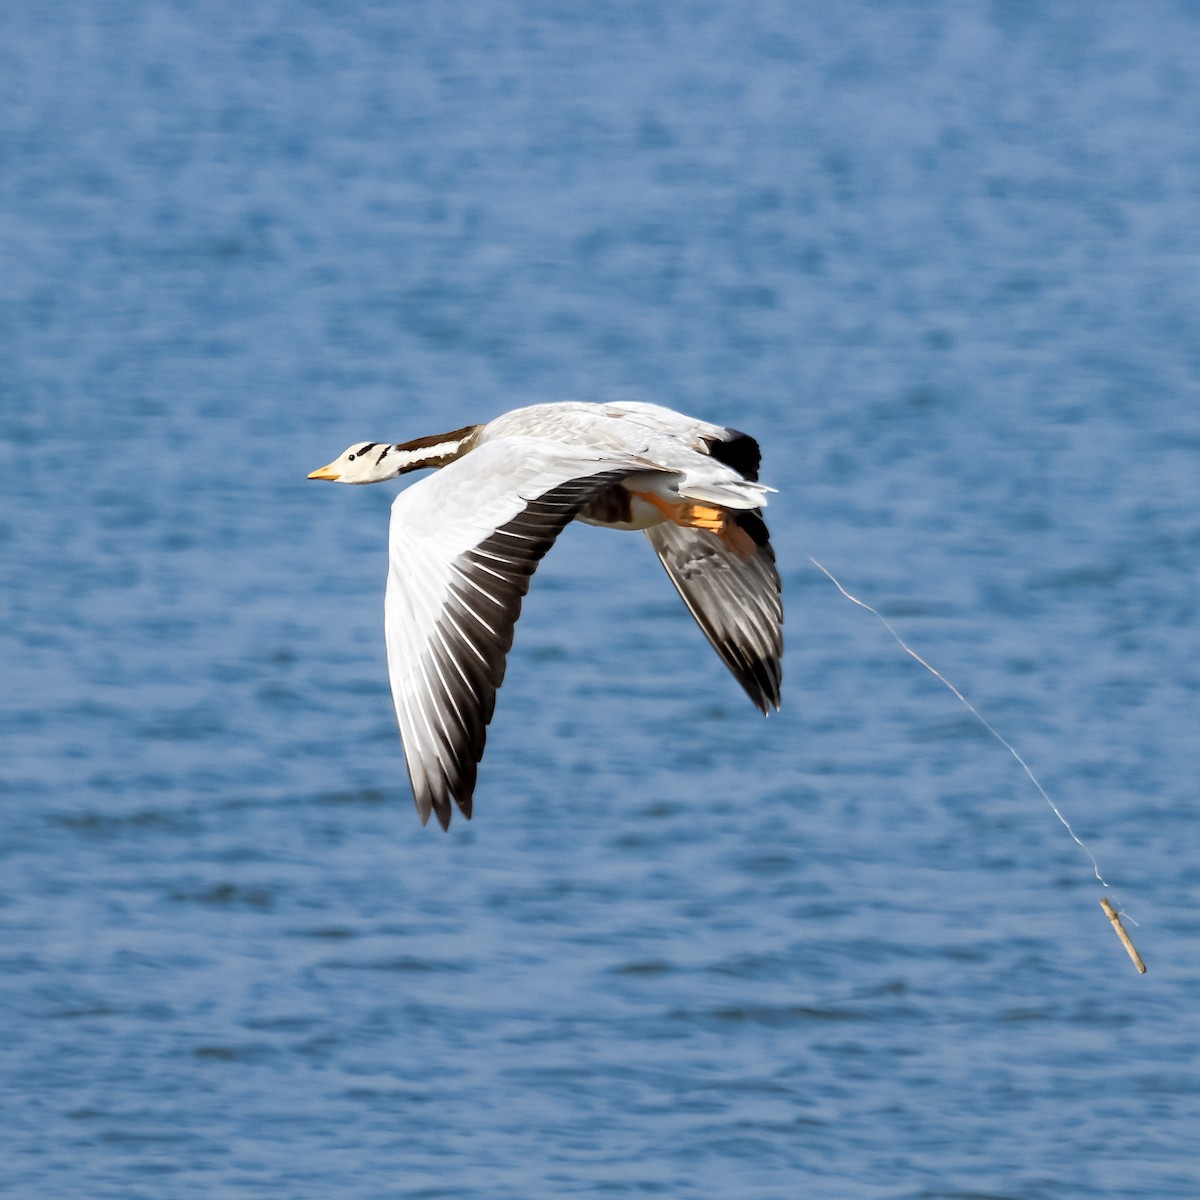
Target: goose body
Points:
(465, 541)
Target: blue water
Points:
(944, 259)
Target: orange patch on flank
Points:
(706, 517)
(690, 516)
(703, 516)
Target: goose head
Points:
(364, 462)
(373, 462)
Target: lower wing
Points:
(731, 586)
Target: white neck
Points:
(435, 451)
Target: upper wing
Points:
(729, 446)
(656, 416)
(732, 588)
(464, 543)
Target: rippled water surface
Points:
(944, 259)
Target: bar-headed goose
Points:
(464, 542)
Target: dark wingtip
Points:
(738, 451)
(439, 802)
(761, 679)
(442, 810)
(765, 696)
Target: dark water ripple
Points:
(941, 257)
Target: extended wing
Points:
(731, 586)
(463, 546)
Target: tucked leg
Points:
(688, 514)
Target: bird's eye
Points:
(352, 458)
